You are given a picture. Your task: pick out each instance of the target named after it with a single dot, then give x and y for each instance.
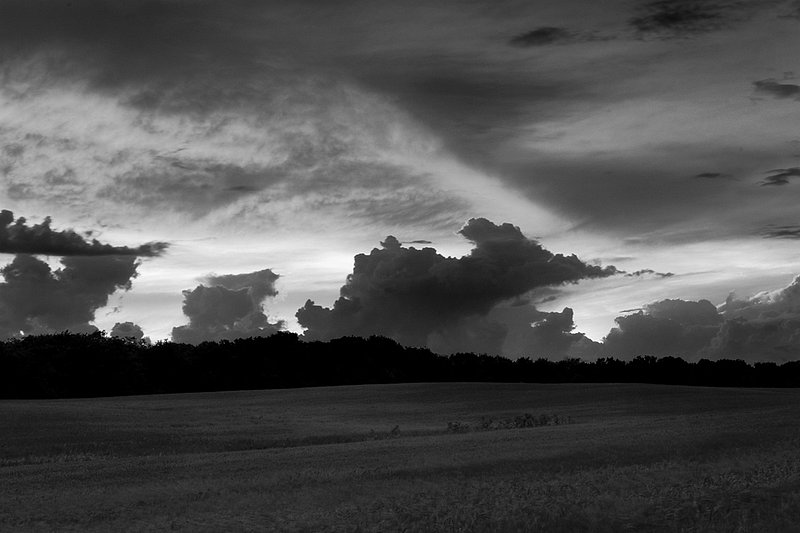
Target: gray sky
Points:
(291, 136)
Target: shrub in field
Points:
(380, 435)
(457, 427)
(525, 420)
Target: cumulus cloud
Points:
(421, 298)
(17, 237)
(34, 299)
(776, 89)
(128, 330)
(227, 307)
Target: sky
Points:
(196, 169)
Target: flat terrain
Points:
(381, 458)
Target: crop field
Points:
(420, 457)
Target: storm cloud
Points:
(420, 298)
(227, 307)
(34, 299)
(17, 237)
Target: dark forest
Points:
(86, 365)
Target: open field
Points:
(381, 458)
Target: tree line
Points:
(86, 365)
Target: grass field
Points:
(381, 458)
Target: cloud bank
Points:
(764, 327)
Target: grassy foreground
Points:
(381, 458)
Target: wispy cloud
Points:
(713, 175)
(541, 37)
(781, 232)
(777, 89)
(780, 176)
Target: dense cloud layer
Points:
(228, 307)
(17, 237)
(421, 298)
(191, 105)
(34, 299)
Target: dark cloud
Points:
(34, 299)
(782, 232)
(418, 241)
(679, 18)
(156, 39)
(763, 327)
(713, 175)
(443, 63)
(228, 307)
(541, 36)
(413, 294)
(777, 89)
(17, 237)
(767, 339)
(669, 327)
(781, 176)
